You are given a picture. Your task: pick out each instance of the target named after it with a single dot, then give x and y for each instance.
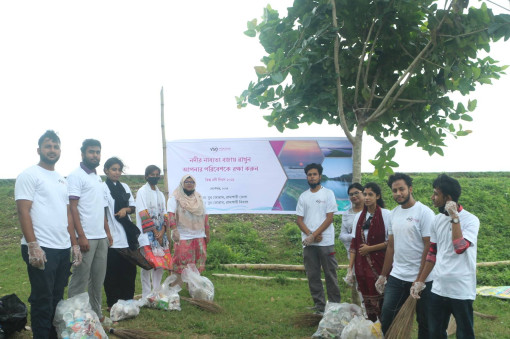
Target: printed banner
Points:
(259, 175)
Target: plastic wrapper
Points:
(166, 298)
(336, 317)
(199, 287)
(125, 309)
(74, 319)
(361, 328)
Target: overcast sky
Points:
(94, 69)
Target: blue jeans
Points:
(440, 309)
(396, 293)
(47, 289)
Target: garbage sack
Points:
(336, 317)
(74, 318)
(13, 314)
(361, 328)
(199, 287)
(166, 298)
(125, 309)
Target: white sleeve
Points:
(172, 205)
(387, 222)
(131, 197)
(74, 185)
(354, 223)
(24, 188)
(427, 220)
(470, 225)
(300, 209)
(332, 207)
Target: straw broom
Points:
(204, 305)
(402, 325)
(307, 320)
(131, 333)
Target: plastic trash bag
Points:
(361, 328)
(336, 317)
(13, 314)
(74, 318)
(199, 287)
(125, 309)
(166, 298)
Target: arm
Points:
(388, 258)
(82, 239)
(107, 228)
(426, 248)
(125, 211)
(70, 227)
(345, 234)
(207, 227)
(25, 219)
(364, 249)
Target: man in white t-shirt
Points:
(452, 255)
(314, 211)
(87, 200)
(408, 245)
(48, 232)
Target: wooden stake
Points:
(163, 137)
(274, 267)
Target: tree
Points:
(382, 67)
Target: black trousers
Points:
(47, 289)
(119, 282)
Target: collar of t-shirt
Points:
(86, 169)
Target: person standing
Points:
(368, 245)
(48, 232)
(408, 245)
(119, 282)
(189, 224)
(314, 211)
(452, 255)
(87, 201)
(152, 221)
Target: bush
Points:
(292, 233)
(245, 242)
(219, 253)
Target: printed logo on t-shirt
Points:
(319, 201)
(60, 181)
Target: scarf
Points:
(121, 199)
(157, 213)
(193, 203)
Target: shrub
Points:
(219, 253)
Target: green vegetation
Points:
(265, 308)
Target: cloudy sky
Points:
(94, 69)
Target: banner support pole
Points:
(163, 138)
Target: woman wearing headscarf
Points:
(368, 247)
(152, 220)
(190, 226)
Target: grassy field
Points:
(265, 309)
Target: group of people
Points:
(395, 254)
(82, 222)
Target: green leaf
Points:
(251, 33)
(277, 77)
(454, 116)
(460, 108)
(462, 133)
(252, 24)
(472, 105)
(466, 117)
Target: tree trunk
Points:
(356, 154)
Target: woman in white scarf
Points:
(190, 226)
(152, 220)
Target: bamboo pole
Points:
(281, 267)
(256, 277)
(163, 138)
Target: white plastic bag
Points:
(199, 287)
(336, 317)
(361, 328)
(166, 298)
(74, 318)
(125, 309)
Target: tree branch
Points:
(360, 67)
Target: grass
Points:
(266, 309)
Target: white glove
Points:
(76, 255)
(309, 240)
(36, 255)
(349, 278)
(451, 208)
(380, 284)
(175, 235)
(416, 289)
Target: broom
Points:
(204, 305)
(131, 333)
(402, 325)
(307, 320)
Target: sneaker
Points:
(317, 312)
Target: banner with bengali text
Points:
(259, 175)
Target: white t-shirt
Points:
(409, 226)
(185, 233)
(314, 207)
(346, 229)
(386, 219)
(48, 192)
(142, 203)
(92, 201)
(116, 229)
(455, 273)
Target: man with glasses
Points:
(408, 245)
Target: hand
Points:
(84, 243)
(76, 255)
(110, 239)
(380, 284)
(122, 213)
(159, 236)
(176, 237)
(364, 249)
(349, 278)
(309, 240)
(36, 255)
(416, 289)
(451, 208)
(318, 238)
